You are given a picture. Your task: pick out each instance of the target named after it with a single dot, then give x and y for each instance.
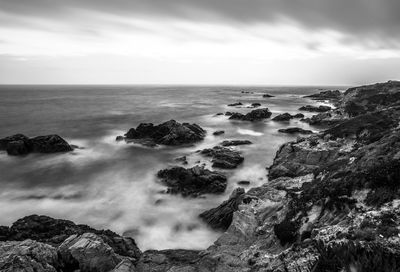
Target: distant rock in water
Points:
(20, 144)
(283, 117)
(267, 95)
(218, 132)
(220, 218)
(254, 115)
(223, 157)
(168, 133)
(235, 104)
(298, 115)
(255, 105)
(295, 130)
(235, 142)
(192, 182)
(311, 108)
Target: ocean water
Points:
(109, 184)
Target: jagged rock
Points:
(326, 95)
(283, 117)
(193, 181)
(254, 115)
(293, 130)
(236, 142)
(235, 104)
(125, 266)
(315, 109)
(219, 132)
(220, 217)
(325, 119)
(54, 231)
(28, 256)
(223, 157)
(88, 252)
(168, 133)
(21, 145)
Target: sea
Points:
(113, 185)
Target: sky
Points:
(230, 42)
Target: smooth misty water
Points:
(109, 184)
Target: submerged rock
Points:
(220, 218)
(218, 132)
(235, 142)
(192, 182)
(168, 133)
(223, 157)
(254, 115)
(293, 130)
(20, 144)
(255, 105)
(267, 95)
(315, 108)
(235, 104)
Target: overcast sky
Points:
(199, 41)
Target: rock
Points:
(21, 145)
(219, 113)
(236, 142)
(254, 115)
(223, 157)
(28, 256)
(255, 105)
(298, 115)
(119, 138)
(88, 252)
(125, 266)
(168, 133)
(54, 231)
(228, 113)
(315, 109)
(293, 130)
(267, 95)
(182, 159)
(220, 217)
(324, 119)
(326, 95)
(235, 115)
(283, 117)
(243, 182)
(218, 132)
(192, 182)
(235, 104)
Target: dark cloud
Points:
(374, 18)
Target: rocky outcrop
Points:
(267, 95)
(293, 130)
(220, 218)
(168, 133)
(192, 182)
(326, 95)
(254, 115)
(315, 108)
(235, 104)
(223, 157)
(20, 144)
(283, 117)
(236, 142)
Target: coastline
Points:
(310, 216)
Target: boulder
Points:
(267, 95)
(254, 115)
(235, 142)
(311, 108)
(88, 252)
(298, 115)
(192, 182)
(220, 218)
(21, 145)
(293, 130)
(223, 157)
(168, 133)
(218, 132)
(255, 105)
(28, 256)
(235, 104)
(283, 117)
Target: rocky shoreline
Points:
(331, 203)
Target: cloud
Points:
(374, 18)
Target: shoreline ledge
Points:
(331, 204)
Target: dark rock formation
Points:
(293, 130)
(255, 105)
(235, 104)
(182, 159)
(219, 132)
(235, 142)
(243, 182)
(315, 108)
(254, 115)
(223, 157)
(283, 117)
(220, 218)
(21, 145)
(168, 133)
(267, 95)
(298, 115)
(192, 182)
(326, 95)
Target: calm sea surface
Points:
(109, 184)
